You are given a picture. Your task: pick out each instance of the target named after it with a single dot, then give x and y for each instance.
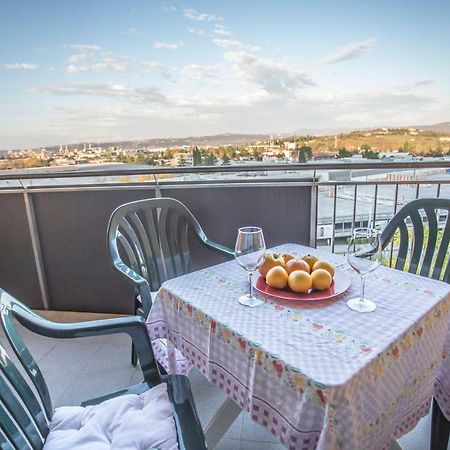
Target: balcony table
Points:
(315, 374)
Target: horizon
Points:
(318, 133)
(111, 72)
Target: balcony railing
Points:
(53, 223)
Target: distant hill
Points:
(322, 131)
(443, 127)
(215, 140)
(218, 139)
(325, 139)
(383, 140)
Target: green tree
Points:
(257, 155)
(301, 157)
(210, 159)
(370, 154)
(225, 160)
(196, 157)
(344, 153)
(304, 153)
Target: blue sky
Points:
(88, 71)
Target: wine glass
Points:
(249, 253)
(364, 256)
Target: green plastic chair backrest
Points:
(24, 417)
(423, 241)
(152, 235)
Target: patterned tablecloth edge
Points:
(407, 422)
(295, 377)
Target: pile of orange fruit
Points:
(301, 275)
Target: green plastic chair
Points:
(428, 257)
(148, 244)
(25, 417)
(416, 254)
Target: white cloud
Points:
(85, 47)
(350, 51)
(200, 32)
(424, 82)
(168, 8)
(78, 57)
(231, 44)
(133, 113)
(71, 68)
(273, 76)
(193, 14)
(221, 30)
(409, 87)
(386, 107)
(195, 72)
(140, 95)
(21, 66)
(168, 45)
(100, 60)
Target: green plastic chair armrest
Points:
(140, 285)
(219, 248)
(134, 326)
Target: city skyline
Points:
(105, 71)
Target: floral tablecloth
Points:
(442, 382)
(317, 375)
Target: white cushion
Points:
(130, 422)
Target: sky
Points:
(110, 70)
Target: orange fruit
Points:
(321, 279)
(324, 265)
(271, 259)
(296, 264)
(311, 260)
(287, 257)
(277, 277)
(300, 281)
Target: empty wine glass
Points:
(249, 253)
(364, 256)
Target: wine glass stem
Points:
(250, 276)
(363, 282)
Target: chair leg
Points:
(133, 355)
(440, 429)
(161, 369)
(133, 350)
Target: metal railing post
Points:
(375, 198)
(333, 225)
(157, 188)
(314, 218)
(355, 195)
(395, 211)
(36, 246)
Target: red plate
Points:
(341, 282)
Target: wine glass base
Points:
(361, 306)
(250, 301)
